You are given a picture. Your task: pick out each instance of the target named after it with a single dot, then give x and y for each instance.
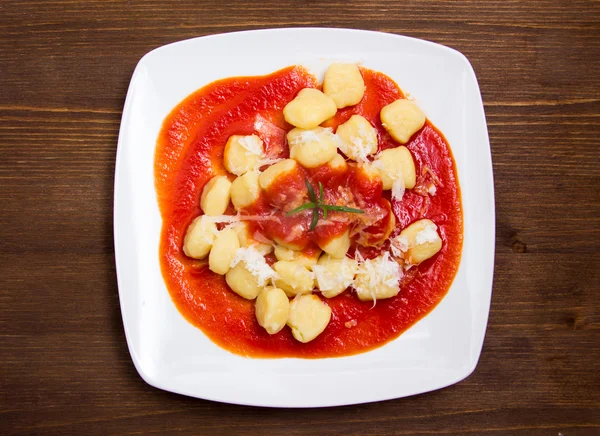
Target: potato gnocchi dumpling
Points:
(337, 246)
(338, 163)
(245, 190)
(309, 109)
(293, 277)
(358, 138)
(423, 240)
(215, 196)
(272, 309)
(394, 163)
(223, 251)
(199, 237)
(246, 239)
(333, 275)
(344, 84)
(242, 153)
(268, 177)
(307, 259)
(402, 119)
(377, 279)
(242, 281)
(308, 317)
(312, 148)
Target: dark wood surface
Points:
(64, 71)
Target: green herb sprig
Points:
(317, 204)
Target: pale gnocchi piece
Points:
(358, 138)
(301, 257)
(245, 190)
(291, 244)
(199, 237)
(243, 282)
(268, 177)
(293, 277)
(223, 251)
(308, 317)
(338, 163)
(402, 119)
(377, 279)
(313, 147)
(246, 239)
(423, 240)
(337, 246)
(242, 153)
(215, 196)
(394, 163)
(333, 275)
(309, 109)
(272, 309)
(344, 84)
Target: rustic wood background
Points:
(64, 71)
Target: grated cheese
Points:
(399, 246)
(428, 234)
(255, 264)
(253, 144)
(379, 271)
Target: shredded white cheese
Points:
(329, 280)
(398, 187)
(428, 234)
(255, 264)
(399, 246)
(432, 190)
(379, 271)
(253, 144)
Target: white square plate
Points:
(171, 354)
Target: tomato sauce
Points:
(190, 151)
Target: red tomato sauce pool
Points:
(190, 151)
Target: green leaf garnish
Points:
(317, 205)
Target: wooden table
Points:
(64, 71)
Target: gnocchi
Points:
(223, 251)
(333, 275)
(199, 238)
(358, 138)
(377, 279)
(308, 317)
(242, 281)
(344, 84)
(269, 176)
(394, 163)
(402, 119)
(309, 109)
(242, 153)
(245, 190)
(312, 148)
(272, 309)
(242, 229)
(337, 163)
(215, 196)
(337, 246)
(306, 258)
(423, 240)
(293, 277)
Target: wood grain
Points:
(64, 71)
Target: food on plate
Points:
(306, 221)
(272, 309)
(309, 109)
(308, 317)
(344, 84)
(402, 119)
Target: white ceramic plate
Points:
(171, 354)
